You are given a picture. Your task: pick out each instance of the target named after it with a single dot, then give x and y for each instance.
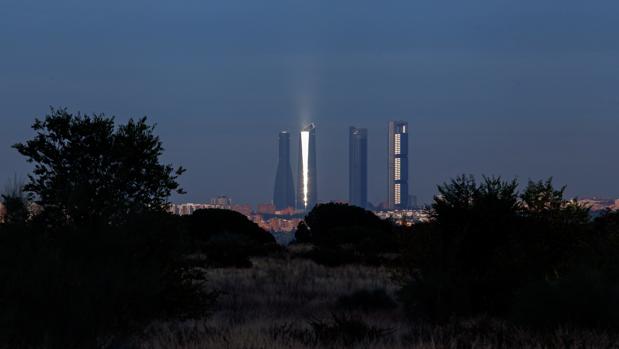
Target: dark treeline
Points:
(100, 258)
(530, 256)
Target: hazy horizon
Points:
(518, 89)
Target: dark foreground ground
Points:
(296, 303)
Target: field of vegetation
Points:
(295, 303)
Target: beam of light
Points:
(304, 78)
(305, 159)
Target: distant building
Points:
(184, 209)
(266, 209)
(222, 202)
(187, 209)
(598, 204)
(286, 212)
(260, 221)
(358, 166)
(283, 194)
(2, 212)
(282, 225)
(398, 165)
(307, 184)
(243, 209)
(405, 217)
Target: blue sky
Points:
(513, 88)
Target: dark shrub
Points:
(213, 224)
(346, 234)
(344, 255)
(228, 238)
(491, 250)
(335, 224)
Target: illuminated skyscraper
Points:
(283, 195)
(307, 191)
(358, 166)
(398, 165)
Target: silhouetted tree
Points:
(491, 250)
(455, 257)
(112, 260)
(86, 170)
(541, 197)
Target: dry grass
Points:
(273, 304)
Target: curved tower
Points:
(283, 194)
(307, 189)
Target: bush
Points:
(346, 234)
(493, 251)
(335, 224)
(228, 238)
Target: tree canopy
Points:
(88, 169)
(492, 249)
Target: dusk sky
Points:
(512, 88)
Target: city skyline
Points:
(200, 197)
(524, 89)
(307, 193)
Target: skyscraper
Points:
(307, 189)
(358, 166)
(398, 165)
(283, 194)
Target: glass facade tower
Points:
(306, 186)
(398, 165)
(283, 194)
